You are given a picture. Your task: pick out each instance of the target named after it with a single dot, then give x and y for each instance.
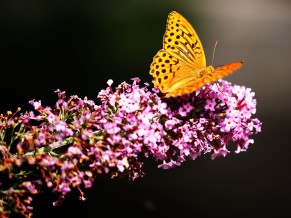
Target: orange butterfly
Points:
(180, 67)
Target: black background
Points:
(78, 46)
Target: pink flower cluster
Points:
(172, 130)
(69, 145)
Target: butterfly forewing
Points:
(182, 42)
(225, 70)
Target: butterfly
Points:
(180, 66)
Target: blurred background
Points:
(77, 46)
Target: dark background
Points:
(78, 46)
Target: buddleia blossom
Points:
(67, 146)
(209, 119)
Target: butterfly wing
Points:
(182, 42)
(224, 70)
(175, 79)
(178, 62)
(170, 75)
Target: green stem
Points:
(50, 148)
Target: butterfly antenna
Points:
(213, 53)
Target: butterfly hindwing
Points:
(171, 75)
(163, 69)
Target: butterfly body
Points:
(180, 67)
